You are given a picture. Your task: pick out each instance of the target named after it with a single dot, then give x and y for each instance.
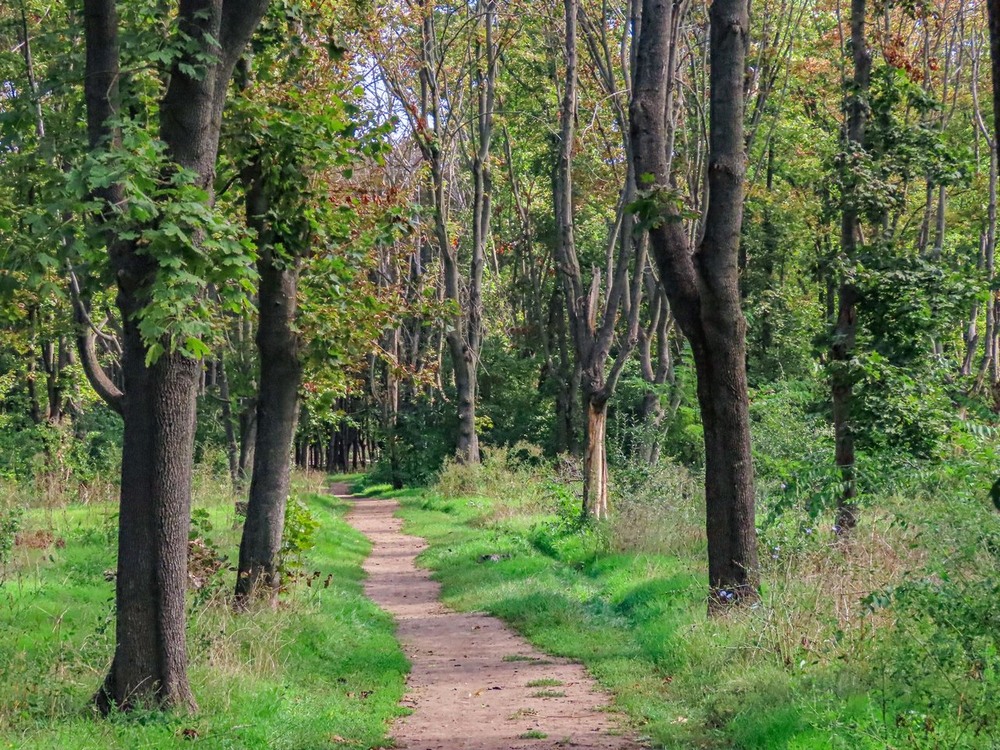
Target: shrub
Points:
(299, 535)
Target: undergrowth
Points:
(888, 637)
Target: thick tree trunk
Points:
(150, 662)
(702, 283)
(729, 487)
(277, 402)
(277, 411)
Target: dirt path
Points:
(475, 685)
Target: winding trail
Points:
(474, 683)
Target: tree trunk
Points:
(277, 411)
(729, 488)
(277, 399)
(149, 667)
(845, 332)
(595, 458)
(702, 283)
(467, 443)
(464, 340)
(150, 661)
(593, 323)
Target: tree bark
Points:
(702, 283)
(465, 337)
(595, 457)
(278, 348)
(149, 667)
(277, 412)
(592, 324)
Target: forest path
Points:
(470, 687)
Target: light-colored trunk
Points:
(595, 461)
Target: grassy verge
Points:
(323, 671)
(818, 664)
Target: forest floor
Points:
(474, 683)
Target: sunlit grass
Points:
(805, 668)
(321, 671)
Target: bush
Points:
(299, 536)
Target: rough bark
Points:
(278, 348)
(701, 283)
(277, 412)
(150, 661)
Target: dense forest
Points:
(673, 325)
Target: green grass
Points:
(323, 671)
(532, 734)
(784, 675)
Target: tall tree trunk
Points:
(592, 323)
(845, 331)
(702, 283)
(150, 661)
(277, 402)
(464, 338)
(277, 411)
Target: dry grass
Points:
(812, 603)
(511, 482)
(664, 515)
